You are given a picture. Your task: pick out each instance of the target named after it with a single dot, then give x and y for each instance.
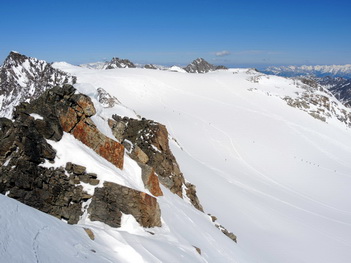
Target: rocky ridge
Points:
(199, 65)
(340, 87)
(319, 102)
(24, 78)
(312, 98)
(59, 191)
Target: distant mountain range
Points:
(318, 71)
(199, 65)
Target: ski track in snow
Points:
(238, 156)
(36, 244)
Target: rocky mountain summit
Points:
(119, 63)
(24, 78)
(200, 65)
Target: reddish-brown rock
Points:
(68, 119)
(87, 133)
(74, 118)
(150, 179)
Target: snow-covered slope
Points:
(318, 71)
(273, 174)
(28, 235)
(183, 227)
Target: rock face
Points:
(23, 79)
(23, 147)
(147, 143)
(119, 63)
(201, 66)
(110, 201)
(63, 110)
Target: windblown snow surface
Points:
(272, 174)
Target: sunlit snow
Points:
(272, 174)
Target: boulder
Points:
(110, 201)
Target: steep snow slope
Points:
(272, 174)
(183, 227)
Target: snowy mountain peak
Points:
(24, 78)
(119, 63)
(200, 65)
(14, 59)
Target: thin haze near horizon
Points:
(232, 33)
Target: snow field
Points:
(273, 175)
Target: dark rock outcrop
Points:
(63, 110)
(23, 147)
(152, 139)
(147, 143)
(58, 191)
(110, 201)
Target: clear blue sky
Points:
(176, 32)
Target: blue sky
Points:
(234, 33)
